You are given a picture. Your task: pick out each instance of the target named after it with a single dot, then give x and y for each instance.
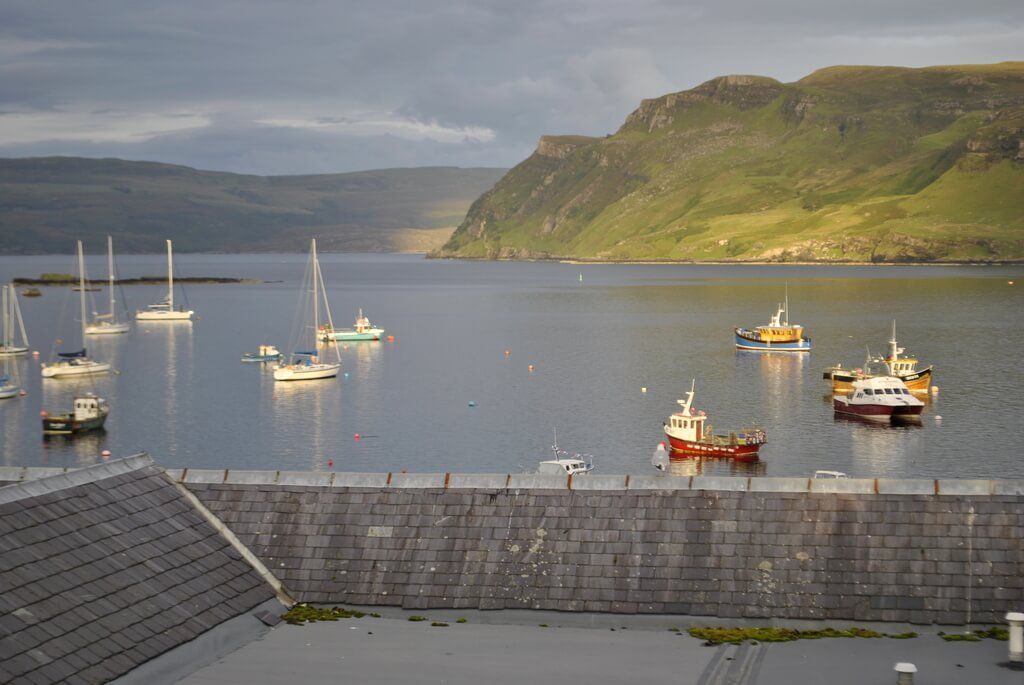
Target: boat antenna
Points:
(787, 303)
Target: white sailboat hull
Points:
(8, 391)
(107, 328)
(12, 351)
(164, 315)
(302, 372)
(86, 368)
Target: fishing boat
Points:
(12, 325)
(879, 398)
(362, 330)
(31, 292)
(107, 324)
(306, 365)
(688, 436)
(164, 310)
(265, 353)
(76, 363)
(778, 336)
(905, 368)
(88, 412)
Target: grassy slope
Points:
(45, 203)
(850, 163)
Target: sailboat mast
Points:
(316, 299)
(16, 313)
(110, 271)
(81, 286)
(787, 304)
(170, 277)
(6, 321)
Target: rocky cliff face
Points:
(847, 164)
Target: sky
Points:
(310, 86)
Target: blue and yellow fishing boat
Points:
(778, 336)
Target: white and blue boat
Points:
(265, 353)
(778, 336)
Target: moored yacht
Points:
(362, 330)
(76, 363)
(107, 324)
(164, 310)
(12, 324)
(879, 398)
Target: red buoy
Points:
(356, 436)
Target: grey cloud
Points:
(517, 69)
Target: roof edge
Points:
(74, 477)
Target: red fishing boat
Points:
(688, 436)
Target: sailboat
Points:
(8, 385)
(107, 324)
(165, 311)
(11, 317)
(304, 365)
(76, 363)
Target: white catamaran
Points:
(107, 324)
(76, 363)
(165, 311)
(306, 365)
(12, 324)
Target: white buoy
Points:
(935, 390)
(643, 389)
(938, 419)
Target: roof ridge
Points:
(73, 478)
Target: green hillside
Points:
(46, 203)
(847, 164)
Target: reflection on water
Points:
(447, 398)
(699, 466)
(74, 450)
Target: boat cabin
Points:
(568, 467)
(687, 425)
(88, 407)
(879, 389)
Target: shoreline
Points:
(690, 262)
(142, 280)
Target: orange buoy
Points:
(530, 368)
(508, 352)
(356, 436)
(330, 463)
(43, 414)
(35, 353)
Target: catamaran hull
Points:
(311, 373)
(164, 316)
(744, 342)
(66, 425)
(12, 351)
(60, 370)
(878, 412)
(110, 329)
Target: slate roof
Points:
(922, 558)
(104, 568)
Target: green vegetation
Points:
(58, 278)
(304, 613)
(461, 620)
(439, 624)
(47, 203)
(871, 164)
(716, 636)
(417, 618)
(993, 633)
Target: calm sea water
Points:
(183, 395)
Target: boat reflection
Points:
(700, 466)
(307, 417)
(883, 448)
(70, 451)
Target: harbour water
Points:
(183, 395)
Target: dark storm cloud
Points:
(283, 87)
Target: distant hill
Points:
(46, 203)
(847, 164)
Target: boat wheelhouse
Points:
(88, 412)
(690, 436)
(879, 398)
(565, 467)
(778, 336)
